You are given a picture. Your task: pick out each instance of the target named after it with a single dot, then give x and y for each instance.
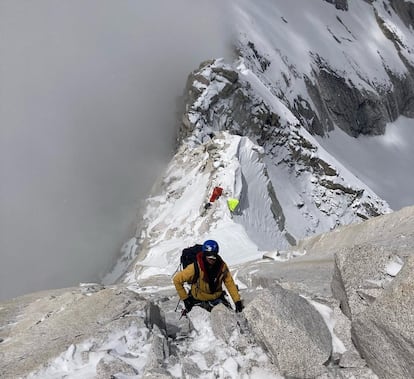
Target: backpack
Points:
(188, 256)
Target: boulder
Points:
(223, 323)
(40, 327)
(360, 275)
(384, 333)
(348, 373)
(158, 354)
(109, 366)
(292, 330)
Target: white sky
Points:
(87, 121)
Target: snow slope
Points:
(353, 44)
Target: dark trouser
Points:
(210, 304)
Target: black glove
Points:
(189, 303)
(239, 306)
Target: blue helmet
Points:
(210, 247)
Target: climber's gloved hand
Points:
(239, 306)
(189, 303)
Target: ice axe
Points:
(183, 313)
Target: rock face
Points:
(292, 330)
(352, 99)
(405, 10)
(355, 112)
(369, 267)
(361, 274)
(374, 283)
(384, 333)
(339, 4)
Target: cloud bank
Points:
(88, 94)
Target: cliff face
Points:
(348, 66)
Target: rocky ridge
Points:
(135, 330)
(224, 97)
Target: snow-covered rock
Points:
(72, 331)
(304, 181)
(95, 330)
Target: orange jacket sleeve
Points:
(231, 286)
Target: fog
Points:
(88, 91)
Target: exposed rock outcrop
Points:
(361, 275)
(292, 330)
(369, 267)
(405, 10)
(374, 284)
(339, 4)
(384, 333)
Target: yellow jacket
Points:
(200, 290)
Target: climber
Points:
(217, 191)
(207, 287)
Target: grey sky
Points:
(87, 106)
